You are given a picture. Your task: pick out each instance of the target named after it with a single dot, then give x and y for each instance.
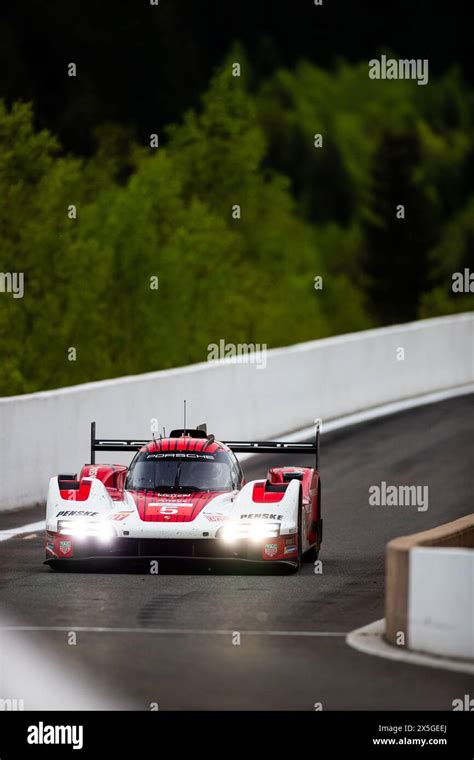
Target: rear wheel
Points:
(313, 553)
(299, 558)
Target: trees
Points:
(393, 172)
(221, 232)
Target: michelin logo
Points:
(41, 734)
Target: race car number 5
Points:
(165, 510)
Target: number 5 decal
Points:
(164, 510)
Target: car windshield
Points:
(180, 472)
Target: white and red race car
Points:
(184, 497)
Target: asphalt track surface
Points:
(176, 646)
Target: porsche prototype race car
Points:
(184, 497)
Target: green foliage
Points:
(386, 144)
(170, 214)
(453, 254)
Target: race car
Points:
(184, 498)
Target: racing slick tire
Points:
(313, 553)
(60, 567)
(299, 558)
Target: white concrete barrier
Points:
(441, 601)
(45, 433)
(429, 590)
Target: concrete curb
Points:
(370, 640)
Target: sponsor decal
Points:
(215, 517)
(65, 547)
(80, 513)
(172, 496)
(178, 455)
(167, 506)
(261, 516)
(119, 516)
(271, 549)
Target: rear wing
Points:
(238, 447)
(107, 444)
(278, 447)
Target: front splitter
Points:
(173, 564)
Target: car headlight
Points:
(81, 529)
(249, 531)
